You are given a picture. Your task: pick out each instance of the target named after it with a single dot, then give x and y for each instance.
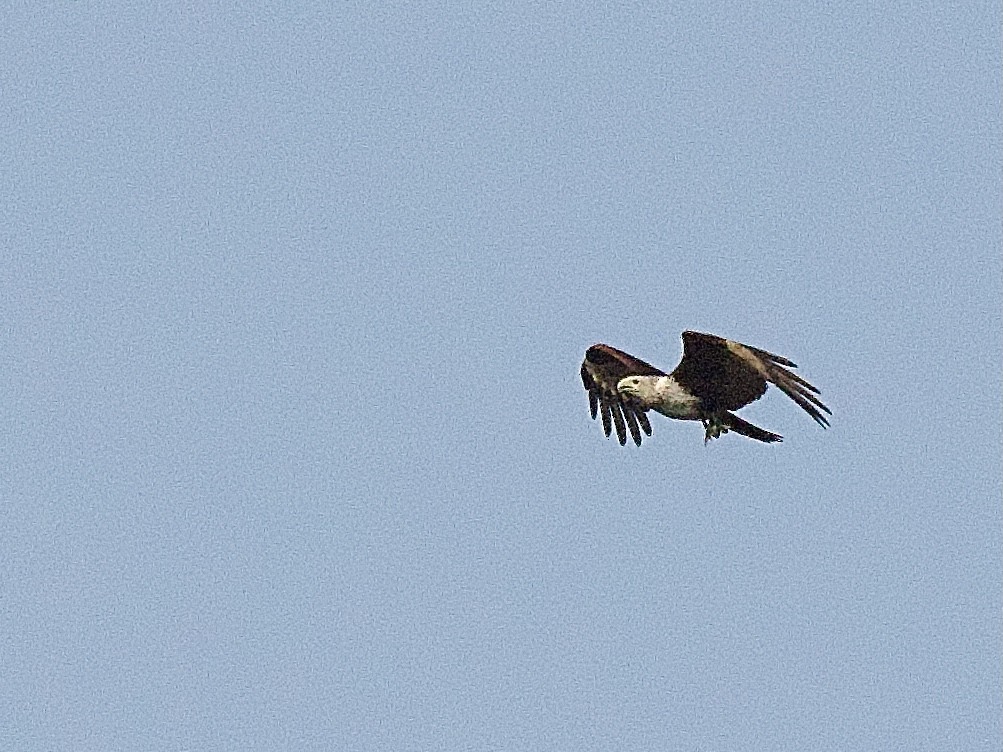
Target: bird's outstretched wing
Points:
(602, 369)
(727, 375)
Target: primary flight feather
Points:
(714, 377)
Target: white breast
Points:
(673, 402)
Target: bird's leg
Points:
(713, 428)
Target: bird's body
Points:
(714, 377)
(664, 394)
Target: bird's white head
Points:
(640, 388)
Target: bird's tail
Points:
(745, 428)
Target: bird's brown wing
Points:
(602, 369)
(728, 375)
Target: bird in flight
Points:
(715, 376)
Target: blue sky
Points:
(297, 454)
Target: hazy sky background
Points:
(296, 451)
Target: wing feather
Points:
(621, 429)
(606, 418)
(795, 387)
(642, 418)
(801, 392)
(631, 419)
